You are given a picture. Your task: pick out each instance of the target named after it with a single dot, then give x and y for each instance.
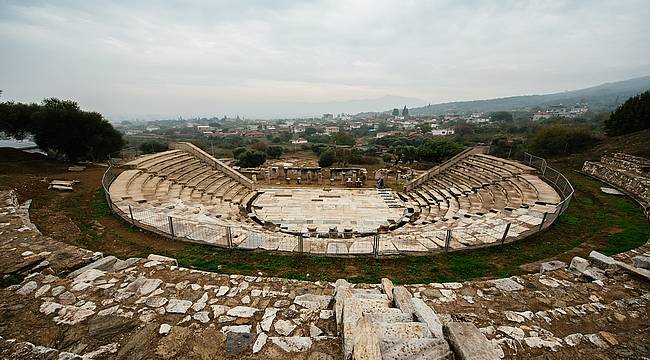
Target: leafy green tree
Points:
(310, 131)
(238, 151)
(274, 151)
(251, 159)
(344, 138)
(425, 128)
(395, 112)
(557, 140)
(327, 158)
(501, 116)
(153, 146)
(438, 150)
(633, 115)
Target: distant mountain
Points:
(605, 97)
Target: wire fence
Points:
(378, 244)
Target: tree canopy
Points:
(327, 158)
(61, 127)
(633, 115)
(501, 116)
(405, 111)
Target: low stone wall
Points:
(624, 171)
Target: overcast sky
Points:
(259, 58)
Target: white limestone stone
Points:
(314, 331)
(155, 301)
(284, 327)
(201, 316)
(177, 306)
(260, 342)
(267, 318)
(27, 288)
(312, 301)
(242, 311)
(513, 332)
(42, 290)
(48, 308)
(164, 329)
(507, 284)
(237, 329)
(293, 343)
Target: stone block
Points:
(468, 343)
(387, 287)
(162, 259)
(366, 342)
(601, 261)
(403, 299)
(551, 266)
(641, 261)
(425, 314)
(104, 264)
(578, 265)
(425, 348)
(351, 315)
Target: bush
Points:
(238, 151)
(556, 140)
(152, 146)
(631, 116)
(251, 159)
(318, 148)
(274, 151)
(438, 150)
(327, 158)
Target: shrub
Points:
(327, 158)
(251, 159)
(556, 140)
(631, 116)
(438, 150)
(153, 146)
(274, 151)
(238, 151)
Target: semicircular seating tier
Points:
(474, 195)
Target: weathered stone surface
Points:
(551, 266)
(267, 318)
(156, 301)
(642, 262)
(242, 311)
(293, 343)
(284, 327)
(27, 288)
(366, 342)
(351, 315)
(507, 284)
(238, 343)
(177, 306)
(468, 343)
(601, 261)
(387, 287)
(403, 299)
(410, 348)
(425, 314)
(312, 301)
(578, 265)
(164, 329)
(162, 259)
(103, 264)
(143, 286)
(260, 342)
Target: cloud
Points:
(216, 57)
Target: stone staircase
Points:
(387, 323)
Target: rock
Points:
(311, 301)
(27, 288)
(578, 265)
(176, 306)
(104, 264)
(507, 284)
(238, 343)
(218, 310)
(246, 299)
(284, 327)
(156, 301)
(513, 332)
(319, 356)
(143, 286)
(242, 311)
(642, 262)
(267, 318)
(387, 287)
(551, 266)
(403, 299)
(292, 344)
(609, 337)
(314, 331)
(48, 308)
(162, 259)
(67, 298)
(201, 316)
(260, 342)
(593, 273)
(222, 291)
(58, 290)
(164, 329)
(596, 340)
(467, 342)
(121, 265)
(237, 329)
(573, 339)
(281, 303)
(326, 314)
(425, 314)
(537, 342)
(513, 316)
(601, 261)
(366, 341)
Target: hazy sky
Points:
(259, 58)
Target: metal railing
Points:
(377, 244)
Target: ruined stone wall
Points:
(625, 171)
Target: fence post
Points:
(447, 240)
(300, 243)
(541, 225)
(375, 245)
(171, 226)
(132, 218)
(505, 233)
(229, 236)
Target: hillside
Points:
(603, 97)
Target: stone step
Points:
(388, 315)
(412, 349)
(402, 330)
(369, 304)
